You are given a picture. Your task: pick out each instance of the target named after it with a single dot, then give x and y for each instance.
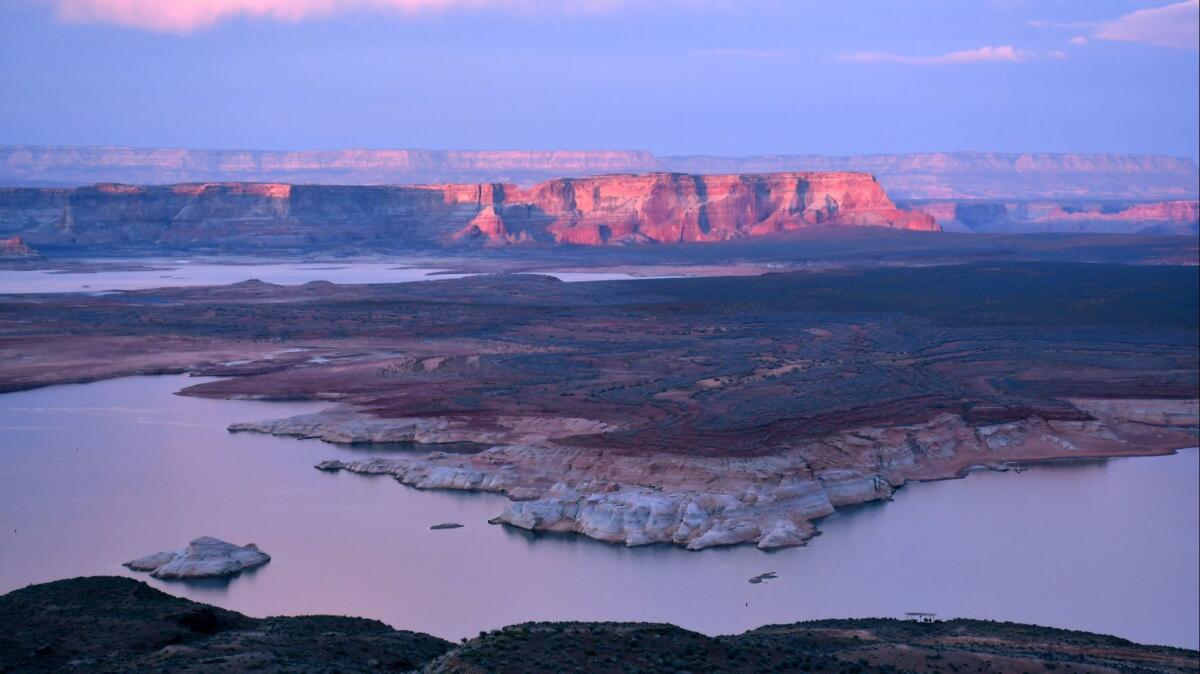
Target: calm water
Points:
(95, 474)
(184, 273)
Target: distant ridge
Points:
(941, 175)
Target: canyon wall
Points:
(955, 175)
(612, 209)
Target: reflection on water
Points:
(93, 475)
(165, 273)
(173, 273)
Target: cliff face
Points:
(670, 208)
(956, 175)
(663, 208)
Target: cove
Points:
(92, 475)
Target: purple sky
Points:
(671, 76)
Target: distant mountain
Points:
(75, 166)
(988, 175)
(1095, 216)
(954, 175)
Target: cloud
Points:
(1057, 54)
(1176, 25)
(987, 54)
(182, 16)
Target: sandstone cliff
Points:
(671, 207)
(662, 208)
(938, 175)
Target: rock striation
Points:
(611, 209)
(204, 557)
(675, 208)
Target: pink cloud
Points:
(1176, 25)
(181, 16)
(987, 54)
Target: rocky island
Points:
(204, 557)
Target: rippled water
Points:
(96, 474)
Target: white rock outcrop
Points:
(701, 501)
(205, 557)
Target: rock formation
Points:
(660, 207)
(672, 208)
(700, 501)
(204, 557)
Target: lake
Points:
(141, 274)
(97, 474)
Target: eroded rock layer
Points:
(659, 208)
(769, 501)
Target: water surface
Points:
(93, 475)
(150, 273)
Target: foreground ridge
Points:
(111, 624)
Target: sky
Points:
(729, 77)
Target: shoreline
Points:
(591, 493)
(798, 565)
(699, 412)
